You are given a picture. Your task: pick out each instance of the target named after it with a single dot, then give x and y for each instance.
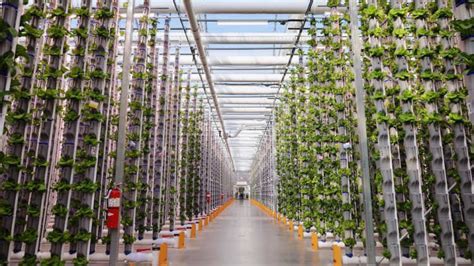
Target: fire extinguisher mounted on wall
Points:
(113, 208)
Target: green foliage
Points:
(56, 236)
(85, 186)
(29, 31)
(58, 12)
(31, 12)
(6, 31)
(81, 236)
(372, 12)
(57, 31)
(28, 236)
(5, 208)
(35, 186)
(103, 13)
(103, 32)
(84, 212)
(61, 186)
(59, 210)
(71, 116)
(128, 239)
(74, 94)
(464, 27)
(7, 62)
(82, 11)
(80, 261)
(53, 261)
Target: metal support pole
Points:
(362, 129)
(120, 161)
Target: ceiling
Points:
(248, 46)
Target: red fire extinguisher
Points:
(222, 196)
(113, 208)
(208, 197)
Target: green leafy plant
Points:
(6, 31)
(85, 186)
(464, 27)
(82, 11)
(53, 261)
(56, 236)
(103, 13)
(57, 31)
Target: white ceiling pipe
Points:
(246, 110)
(242, 77)
(243, 38)
(236, 126)
(239, 7)
(247, 105)
(246, 101)
(246, 90)
(234, 37)
(239, 60)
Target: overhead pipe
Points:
(244, 38)
(236, 60)
(235, 37)
(239, 7)
(202, 55)
(242, 128)
(240, 77)
(241, 60)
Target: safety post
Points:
(181, 240)
(200, 225)
(163, 255)
(337, 255)
(193, 230)
(300, 231)
(314, 241)
(290, 226)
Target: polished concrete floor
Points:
(244, 235)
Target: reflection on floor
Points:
(244, 235)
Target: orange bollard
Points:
(290, 227)
(206, 221)
(337, 255)
(163, 256)
(193, 231)
(181, 240)
(200, 225)
(314, 241)
(300, 231)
